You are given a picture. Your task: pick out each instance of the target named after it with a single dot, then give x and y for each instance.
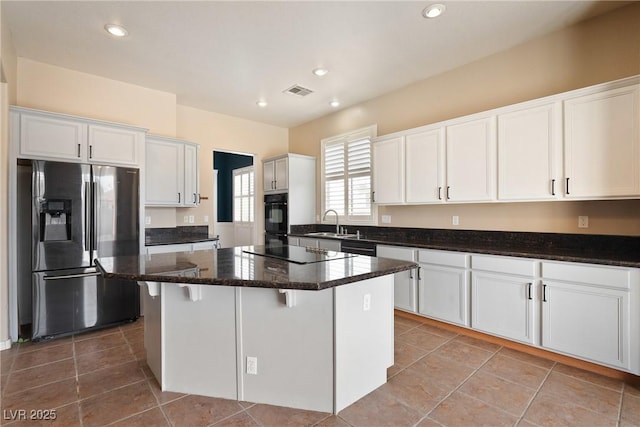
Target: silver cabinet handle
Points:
(448, 188)
(529, 286)
(91, 151)
(419, 275)
(411, 274)
(373, 197)
(78, 150)
(567, 185)
(178, 197)
(439, 193)
(553, 187)
(544, 293)
(195, 198)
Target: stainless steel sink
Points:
(332, 235)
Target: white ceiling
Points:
(223, 56)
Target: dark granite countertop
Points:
(623, 251)
(233, 267)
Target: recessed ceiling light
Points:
(261, 104)
(116, 30)
(320, 72)
(433, 11)
(335, 103)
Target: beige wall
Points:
(602, 49)
(51, 88)
(219, 132)
(8, 85)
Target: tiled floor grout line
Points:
(544, 380)
(459, 385)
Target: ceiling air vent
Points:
(298, 90)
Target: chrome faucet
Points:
(324, 216)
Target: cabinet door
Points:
(443, 293)
(470, 161)
(269, 175)
(113, 145)
(165, 173)
(282, 174)
(528, 153)
(602, 144)
(424, 166)
(331, 245)
(191, 174)
(404, 289)
(388, 171)
(503, 305)
(52, 138)
(587, 322)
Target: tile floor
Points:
(439, 379)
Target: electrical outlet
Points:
(147, 220)
(206, 218)
(583, 222)
(192, 219)
(366, 302)
(386, 219)
(186, 219)
(252, 365)
(455, 220)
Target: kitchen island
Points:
(287, 326)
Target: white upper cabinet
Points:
(470, 154)
(191, 174)
(114, 145)
(52, 136)
(171, 172)
(602, 144)
(388, 170)
(424, 164)
(276, 175)
(517, 152)
(529, 153)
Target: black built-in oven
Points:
(276, 225)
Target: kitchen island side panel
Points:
(199, 341)
(293, 347)
(363, 338)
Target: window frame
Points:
(247, 170)
(369, 132)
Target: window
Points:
(243, 194)
(346, 175)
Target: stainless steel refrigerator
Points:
(78, 212)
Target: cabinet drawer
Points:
(588, 274)
(507, 265)
(396, 252)
(451, 259)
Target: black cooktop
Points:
(296, 254)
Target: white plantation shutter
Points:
(243, 194)
(347, 175)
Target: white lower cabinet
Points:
(181, 247)
(308, 242)
(503, 297)
(591, 312)
(404, 290)
(443, 286)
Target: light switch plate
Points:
(583, 222)
(386, 219)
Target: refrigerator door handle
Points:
(87, 216)
(72, 276)
(94, 223)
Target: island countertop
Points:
(237, 267)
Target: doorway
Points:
(234, 201)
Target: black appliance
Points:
(276, 224)
(78, 212)
(358, 247)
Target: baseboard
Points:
(5, 345)
(535, 351)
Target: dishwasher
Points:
(359, 247)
